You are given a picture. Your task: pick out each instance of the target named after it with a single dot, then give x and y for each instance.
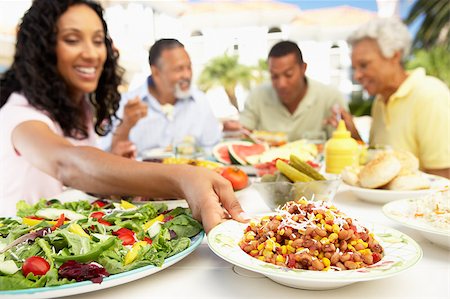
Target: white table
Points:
(204, 275)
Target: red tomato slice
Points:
(148, 240)
(123, 231)
(104, 222)
(36, 265)
(97, 215)
(127, 239)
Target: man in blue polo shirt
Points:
(166, 109)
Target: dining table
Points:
(203, 274)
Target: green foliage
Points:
(436, 62)
(435, 28)
(226, 71)
(359, 105)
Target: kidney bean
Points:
(343, 234)
(345, 257)
(350, 265)
(317, 265)
(320, 232)
(334, 258)
(341, 265)
(357, 257)
(343, 246)
(368, 259)
(329, 248)
(359, 246)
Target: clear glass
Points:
(276, 194)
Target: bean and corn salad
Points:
(312, 236)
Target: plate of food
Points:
(430, 215)
(314, 246)
(53, 249)
(382, 196)
(389, 176)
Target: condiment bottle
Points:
(341, 150)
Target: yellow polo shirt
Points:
(417, 119)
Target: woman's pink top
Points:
(18, 178)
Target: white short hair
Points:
(390, 34)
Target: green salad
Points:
(53, 243)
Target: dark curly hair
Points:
(34, 72)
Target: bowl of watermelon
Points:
(276, 194)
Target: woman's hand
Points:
(210, 196)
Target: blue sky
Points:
(405, 5)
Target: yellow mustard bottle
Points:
(341, 150)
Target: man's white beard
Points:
(182, 94)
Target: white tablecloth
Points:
(204, 275)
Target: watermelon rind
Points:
(224, 144)
(249, 160)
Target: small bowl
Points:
(276, 194)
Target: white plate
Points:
(402, 211)
(108, 282)
(401, 252)
(383, 196)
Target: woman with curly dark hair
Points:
(59, 92)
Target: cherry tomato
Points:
(237, 177)
(36, 265)
(99, 203)
(97, 215)
(148, 240)
(104, 222)
(123, 231)
(127, 239)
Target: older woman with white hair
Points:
(411, 110)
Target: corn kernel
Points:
(290, 242)
(261, 258)
(267, 253)
(281, 232)
(326, 262)
(353, 242)
(317, 238)
(333, 236)
(284, 249)
(295, 218)
(278, 217)
(336, 228)
(320, 256)
(324, 241)
(316, 252)
(261, 246)
(319, 216)
(254, 252)
(326, 269)
(350, 246)
(280, 258)
(290, 249)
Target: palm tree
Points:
(435, 27)
(225, 71)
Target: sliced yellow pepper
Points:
(127, 205)
(33, 222)
(149, 223)
(132, 254)
(78, 230)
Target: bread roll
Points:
(408, 182)
(409, 162)
(350, 175)
(379, 171)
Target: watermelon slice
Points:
(220, 151)
(244, 154)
